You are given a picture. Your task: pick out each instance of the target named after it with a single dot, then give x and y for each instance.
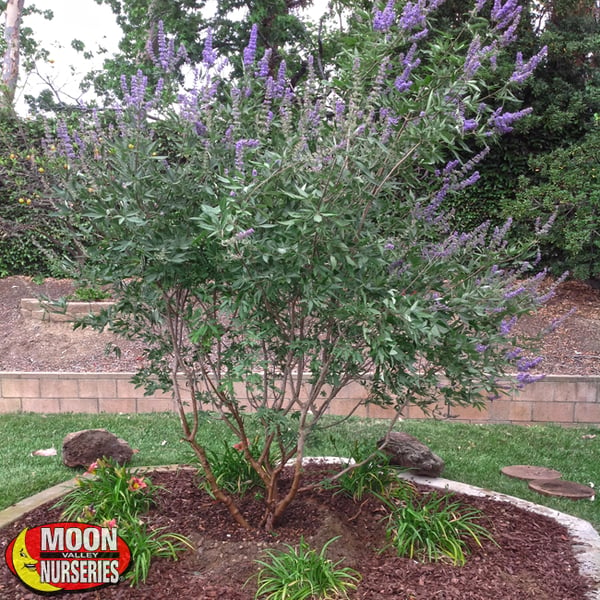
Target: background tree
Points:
(12, 44)
(565, 186)
(564, 95)
(279, 28)
(31, 242)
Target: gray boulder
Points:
(407, 451)
(82, 448)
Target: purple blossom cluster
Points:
(541, 230)
(66, 144)
(523, 70)
(556, 323)
(453, 179)
(457, 242)
(524, 365)
(543, 298)
(168, 58)
(409, 62)
(474, 58)
(384, 19)
(505, 15)
(517, 291)
(414, 15)
(240, 147)
(250, 49)
(389, 122)
(513, 353)
(134, 92)
(506, 326)
(502, 122)
(498, 239)
(209, 55)
(242, 235)
(264, 64)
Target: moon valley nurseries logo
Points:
(67, 556)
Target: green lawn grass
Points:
(473, 454)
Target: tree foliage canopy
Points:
(274, 241)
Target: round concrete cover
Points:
(530, 472)
(564, 489)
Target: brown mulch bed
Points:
(533, 558)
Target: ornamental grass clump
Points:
(232, 471)
(302, 573)
(273, 240)
(434, 528)
(370, 473)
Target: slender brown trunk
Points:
(219, 494)
(10, 65)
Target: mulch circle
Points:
(530, 472)
(562, 488)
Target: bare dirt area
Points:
(26, 345)
(531, 560)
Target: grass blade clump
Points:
(301, 573)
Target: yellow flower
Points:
(131, 146)
(21, 200)
(13, 156)
(28, 201)
(41, 170)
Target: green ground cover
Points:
(473, 454)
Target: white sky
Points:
(84, 20)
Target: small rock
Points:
(408, 452)
(82, 448)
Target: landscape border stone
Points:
(529, 472)
(585, 539)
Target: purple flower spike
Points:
(209, 56)
(413, 15)
(524, 70)
(263, 65)
(384, 19)
(250, 49)
(242, 235)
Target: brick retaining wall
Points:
(556, 399)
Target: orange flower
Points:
(136, 483)
(93, 468)
(109, 524)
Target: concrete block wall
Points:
(32, 308)
(556, 399)
(77, 392)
